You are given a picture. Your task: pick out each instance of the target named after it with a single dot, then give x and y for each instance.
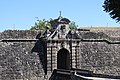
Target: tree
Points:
(72, 25)
(41, 25)
(113, 8)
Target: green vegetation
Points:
(45, 24)
(41, 25)
(72, 25)
(113, 8)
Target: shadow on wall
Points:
(39, 48)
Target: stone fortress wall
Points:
(101, 57)
(17, 62)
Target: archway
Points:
(63, 59)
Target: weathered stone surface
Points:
(93, 35)
(110, 32)
(17, 62)
(19, 34)
(101, 57)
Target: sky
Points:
(21, 14)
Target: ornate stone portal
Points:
(61, 50)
